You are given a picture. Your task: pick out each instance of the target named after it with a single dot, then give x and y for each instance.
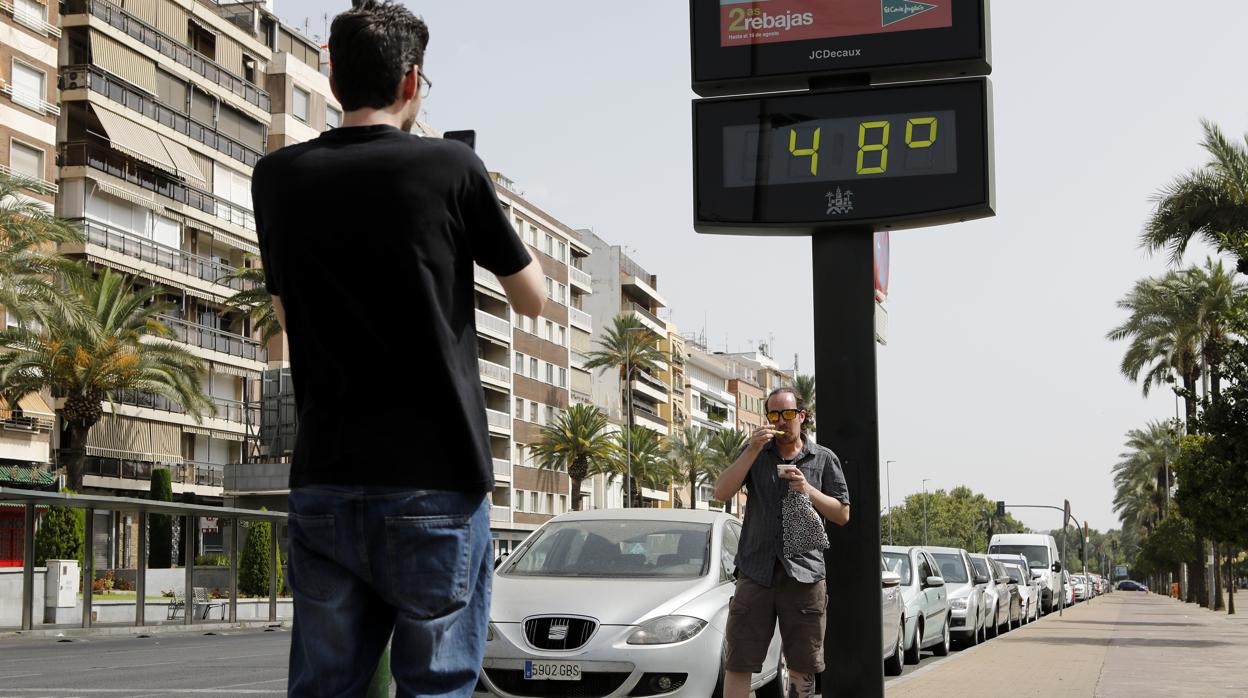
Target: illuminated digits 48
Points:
(864, 147)
(812, 151)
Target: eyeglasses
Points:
(774, 415)
(425, 83)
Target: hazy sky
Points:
(997, 374)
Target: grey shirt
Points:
(762, 535)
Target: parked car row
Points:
(934, 596)
(1089, 586)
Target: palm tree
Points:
(87, 363)
(1142, 476)
(29, 262)
(689, 454)
(648, 461)
(628, 347)
(254, 301)
(805, 387)
(1165, 336)
(725, 445)
(1210, 203)
(1218, 301)
(579, 442)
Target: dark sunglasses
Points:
(787, 414)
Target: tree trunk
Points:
(1198, 574)
(693, 491)
(576, 493)
(1218, 603)
(1230, 576)
(73, 454)
(1189, 401)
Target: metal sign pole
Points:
(845, 362)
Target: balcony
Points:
(493, 325)
(92, 78)
(141, 248)
(213, 339)
(502, 468)
(645, 418)
(37, 186)
(33, 22)
(644, 388)
(500, 514)
(647, 318)
(500, 375)
(228, 410)
(580, 279)
(487, 279)
(578, 360)
(499, 422)
(30, 100)
(639, 288)
(117, 18)
(582, 398)
(186, 473)
(104, 159)
(580, 318)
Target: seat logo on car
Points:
(558, 631)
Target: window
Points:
(25, 160)
(533, 502)
(550, 373)
(550, 415)
(550, 287)
(333, 118)
(171, 91)
(563, 377)
(563, 503)
(519, 408)
(562, 294)
(550, 503)
(28, 86)
(549, 249)
(548, 330)
(299, 104)
(533, 412)
(203, 107)
(533, 369)
(563, 252)
(519, 500)
(520, 363)
(29, 10)
(249, 68)
(201, 40)
(561, 336)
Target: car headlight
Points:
(958, 604)
(666, 630)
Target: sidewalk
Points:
(1125, 644)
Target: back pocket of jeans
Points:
(429, 559)
(312, 565)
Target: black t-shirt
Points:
(368, 235)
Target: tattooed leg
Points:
(801, 685)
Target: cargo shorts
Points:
(753, 611)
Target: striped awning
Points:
(171, 19)
(230, 55)
(124, 194)
(128, 65)
(205, 296)
(228, 370)
(32, 405)
(118, 436)
(145, 10)
(181, 156)
(28, 477)
(135, 140)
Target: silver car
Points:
(965, 586)
(893, 617)
(927, 604)
(997, 594)
(618, 602)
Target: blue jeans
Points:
(366, 562)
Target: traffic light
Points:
(1000, 508)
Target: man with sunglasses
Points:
(779, 458)
(368, 236)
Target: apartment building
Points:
(29, 107)
(708, 401)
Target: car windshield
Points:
(951, 568)
(899, 563)
(616, 549)
(1037, 555)
(981, 567)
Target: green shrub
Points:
(253, 566)
(60, 535)
(160, 526)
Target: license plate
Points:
(551, 671)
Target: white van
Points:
(1042, 557)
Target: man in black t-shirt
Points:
(368, 236)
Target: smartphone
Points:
(468, 137)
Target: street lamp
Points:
(888, 480)
(925, 481)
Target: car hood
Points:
(610, 601)
(959, 591)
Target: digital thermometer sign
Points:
(894, 156)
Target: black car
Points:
(1129, 585)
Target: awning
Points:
(227, 436)
(18, 475)
(171, 19)
(143, 9)
(117, 436)
(125, 194)
(182, 160)
(228, 370)
(205, 296)
(32, 405)
(135, 140)
(122, 62)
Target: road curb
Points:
(131, 630)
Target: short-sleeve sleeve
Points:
(495, 244)
(834, 480)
